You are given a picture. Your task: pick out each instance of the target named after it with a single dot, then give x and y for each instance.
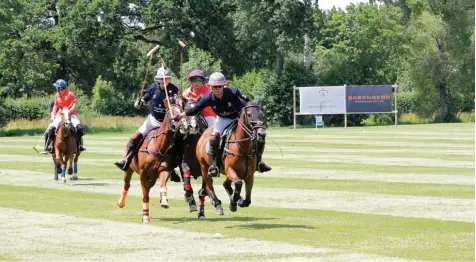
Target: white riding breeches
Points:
(149, 124)
(210, 120)
(221, 124)
(57, 120)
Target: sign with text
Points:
(369, 98)
(323, 100)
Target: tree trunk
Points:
(279, 63)
(445, 114)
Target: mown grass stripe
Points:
(458, 155)
(408, 238)
(98, 169)
(390, 188)
(349, 159)
(457, 209)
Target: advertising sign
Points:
(322, 100)
(367, 99)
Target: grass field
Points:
(363, 193)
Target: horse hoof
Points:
(193, 208)
(75, 177)
(233, 207)
(64, 179)
(219, 210)
(164, 204)
(244, 203)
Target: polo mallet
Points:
(183, 45)
(150, 55)
(38, 144)
(165, 86)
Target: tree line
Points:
(426, 47)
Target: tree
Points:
(265, 30)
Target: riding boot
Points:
(214, 142)
(132, 147)
(50, 140)
(260, 165)
(79, 138)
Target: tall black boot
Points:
(260, 165)
(50, 139)
(214, 142)
(132, 147)
(79, 137)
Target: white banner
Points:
(322, 100)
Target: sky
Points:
(327, 4)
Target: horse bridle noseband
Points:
(253, 124)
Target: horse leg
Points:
(187, 187)
(234, 195)
(55, 165)
(211, 193)
(164, 201)
(75, 166)
(201, 197)
(127, 185)
(70, 163)
(63, 166)
(248, 186)
(145, 198)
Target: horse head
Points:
(193, 122)
(180, 125)
(66, 119)
(253, 119)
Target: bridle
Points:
(249, 127)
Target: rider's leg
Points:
(134, 142)
(132, 147)
(260, 165)
(210, 120)
(79, 132)
(214, 143)
(50, 134)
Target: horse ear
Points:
(257, 100)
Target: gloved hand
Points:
(139, 103)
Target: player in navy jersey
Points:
(227, 104)
(156, 95)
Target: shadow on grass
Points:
(92, 184)
(271, 226)
(178, 220)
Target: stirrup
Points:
(213, 171)
(81, 148)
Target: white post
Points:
(345, 97)
(294, 105)
(395, 88)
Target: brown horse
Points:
(65, 148)
(154, 161)
(240, 158)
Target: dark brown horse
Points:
(65, 148)
(189, 166)
(155, 161)
(239, 163)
